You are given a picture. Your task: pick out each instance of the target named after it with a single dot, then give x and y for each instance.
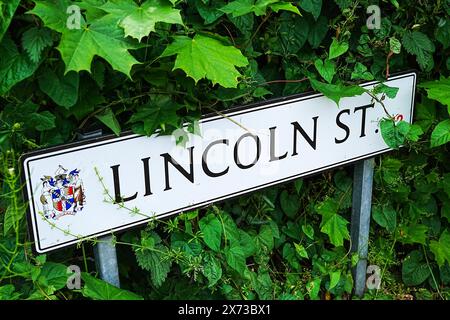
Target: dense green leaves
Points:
(239, 8)
(7, 11)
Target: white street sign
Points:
(251, 148)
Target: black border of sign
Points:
(206, 118)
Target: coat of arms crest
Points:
(62, 194)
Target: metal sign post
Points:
(360, 221)
(104, 251)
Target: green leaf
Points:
(289, 203)
(312, 6)
(285, 6)
(35, 40)
(109, 119)
(52, 13)
(438, 90)
(336, 229)
(360, 72)
(326, 69)
(42, 121)
(7, 11)
(441, 134)
(317, 32)
(239, 8)
(386, 217)
(301, 251)
(308, 230)
(336, 92)
(12, 218)
(298, 185)
(212, 270)
(390, 92)
(78, 47)
(139, 20)
(7, 292)
(100, 290)
(265, 236)
(394, 133)
(292, 33)
(14, 66)
(235, 258)
(441, 249)
(414, 270)
(442, 33)
(155, 115)
(212, 231)
(209, 11)
(313, 288)
(418, 44)
(337, 48)
(335, 276)
(155, 261)
(205, 57)
(55, 275)
(62, 89)
(414, 233)
(395, 45)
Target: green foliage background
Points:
(155, 64)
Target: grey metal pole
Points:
(360, 223)
(104, 251)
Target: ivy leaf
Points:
(441, 249)
(414, 233)
(7, 11)
(212, 231)
(442, 33)
(312, 6)
(265, 237)
(14, 66)
(418, 44)
(155, 115)
(414, 270)
(35, 40)
(138, 21)
(385, 217)
(441, 134)
(154, 260)
(326, 69)
(12, 218)
(337, 48)
(293, 33)
(108, 118)
(338, 91)
(235, 258)
(336, 229)
(239, 8)
(438, 90)
(100, 290)
(42, 121)
(205, 57)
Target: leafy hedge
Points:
(155, 64)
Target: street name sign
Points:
(95, 187)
